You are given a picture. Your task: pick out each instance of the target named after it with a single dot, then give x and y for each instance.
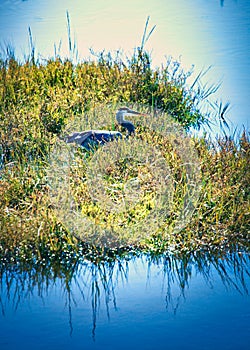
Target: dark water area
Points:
(194, 302)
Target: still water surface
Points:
(189, 303)
(199, 32)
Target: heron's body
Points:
(91, 138)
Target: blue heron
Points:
(91, 138)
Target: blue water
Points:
(137, 304)
(198, 32)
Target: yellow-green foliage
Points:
(37, 99)
(39, 102)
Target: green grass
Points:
(41, 101)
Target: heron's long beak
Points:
(132, 112)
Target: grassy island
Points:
(41, 101)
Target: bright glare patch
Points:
(130, 189)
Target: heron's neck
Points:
(129, 126)
(120, 118)
(125, 123)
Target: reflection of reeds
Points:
(232, 268)
(99, 280)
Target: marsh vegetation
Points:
(42, 100)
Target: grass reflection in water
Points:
(97, 281)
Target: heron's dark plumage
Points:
(99, 138)
(129, 126)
